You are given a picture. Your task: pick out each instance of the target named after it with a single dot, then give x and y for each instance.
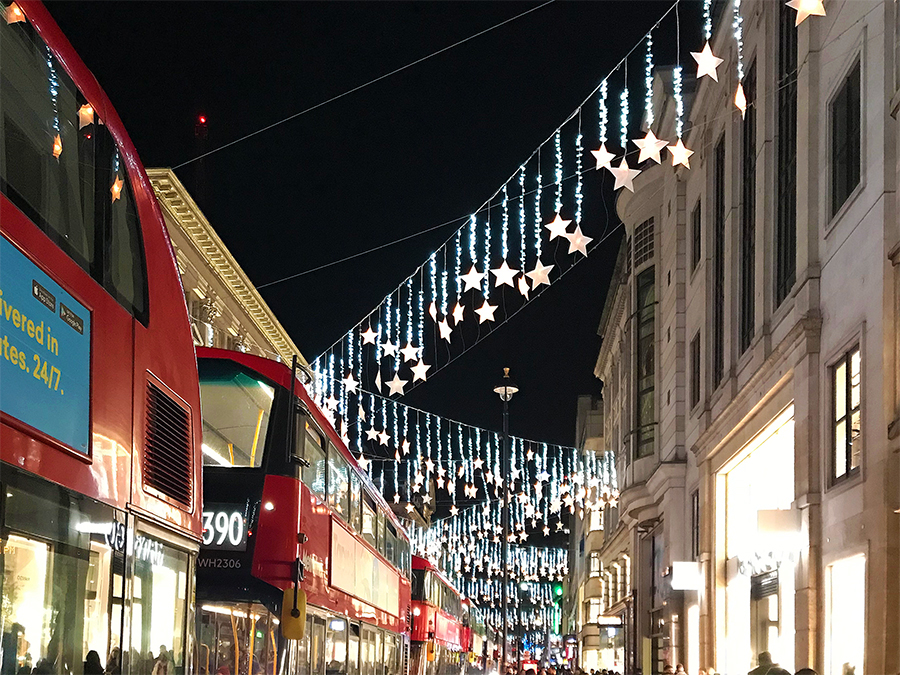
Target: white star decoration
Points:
(384, 437)
(603, 157)
(680, 154)
(806, 8)
(458, 313)
(432, 311)
(486, 312)
(624, 175)
(350, 383)
(539, 275)
(371, 434)
(740, 100)
(419, 371)
(557, 227)
(524, 288)
(707, 63)
(577, 241)
(405, 447)
(396, 385)
(390, 349)
(409, 352)
(473, 279)
(504, 275)
(650, 146)
(378, 380)
(445, 329)
(478, 462)
(363, 463)
(369, 336)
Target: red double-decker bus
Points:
(440, 636)
(99, 402)
(286, 506)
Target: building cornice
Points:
(175, 200)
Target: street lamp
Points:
(505, 391)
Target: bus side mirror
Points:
(293, 620)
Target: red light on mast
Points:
(202, 119)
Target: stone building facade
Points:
(226, 309)
(751, 355)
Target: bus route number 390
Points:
(224, 528)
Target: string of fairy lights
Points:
(501, 258)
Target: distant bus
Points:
(99, 400)
(439, 637)
(283, 495)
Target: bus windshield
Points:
(235, 407)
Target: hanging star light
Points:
(478, 463)
(504, 275)
(85, 115)
(524, 288)
(557, 227)
(680, 154)
(458, 313)
(650, 147)
(577, 241)
(350, 383)
(409, 352)
(372, 434)
(384, 438)
(363, 462)
(707, 62)
(378, 381)
(806, 8)
(486, 312)
(603, 157)
(432, 309)
(405, 446)
(419, 371)
(624, 175)
(539, 275)
(116, 188)
(57, 147)
(396, 385)
(361, 413)
(453, 510)
(740, 100)
(390, 349)
(369, 336)
(473, 279)
(445, 329)
(14, 13)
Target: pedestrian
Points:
(765, 664)
(679, 670)
(806, 671)
(92, 664)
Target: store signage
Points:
(45, 352)
(225, 527)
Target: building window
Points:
(748, 212)
(719, 262)
(786, 154)
(645, 364)
(595, 564)
(845, 140)
(695, 370)
(695, 236)
(695, 524)
(643, 242)
(846, 441)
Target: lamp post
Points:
(505, 391)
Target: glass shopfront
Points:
(66, 571)
(759, 579)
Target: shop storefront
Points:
(70, 565)
(756, 548)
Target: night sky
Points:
(420, 148)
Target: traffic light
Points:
(557, 593)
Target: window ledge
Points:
(895, 104)
(851, 198)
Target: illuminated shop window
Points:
(846, 620)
